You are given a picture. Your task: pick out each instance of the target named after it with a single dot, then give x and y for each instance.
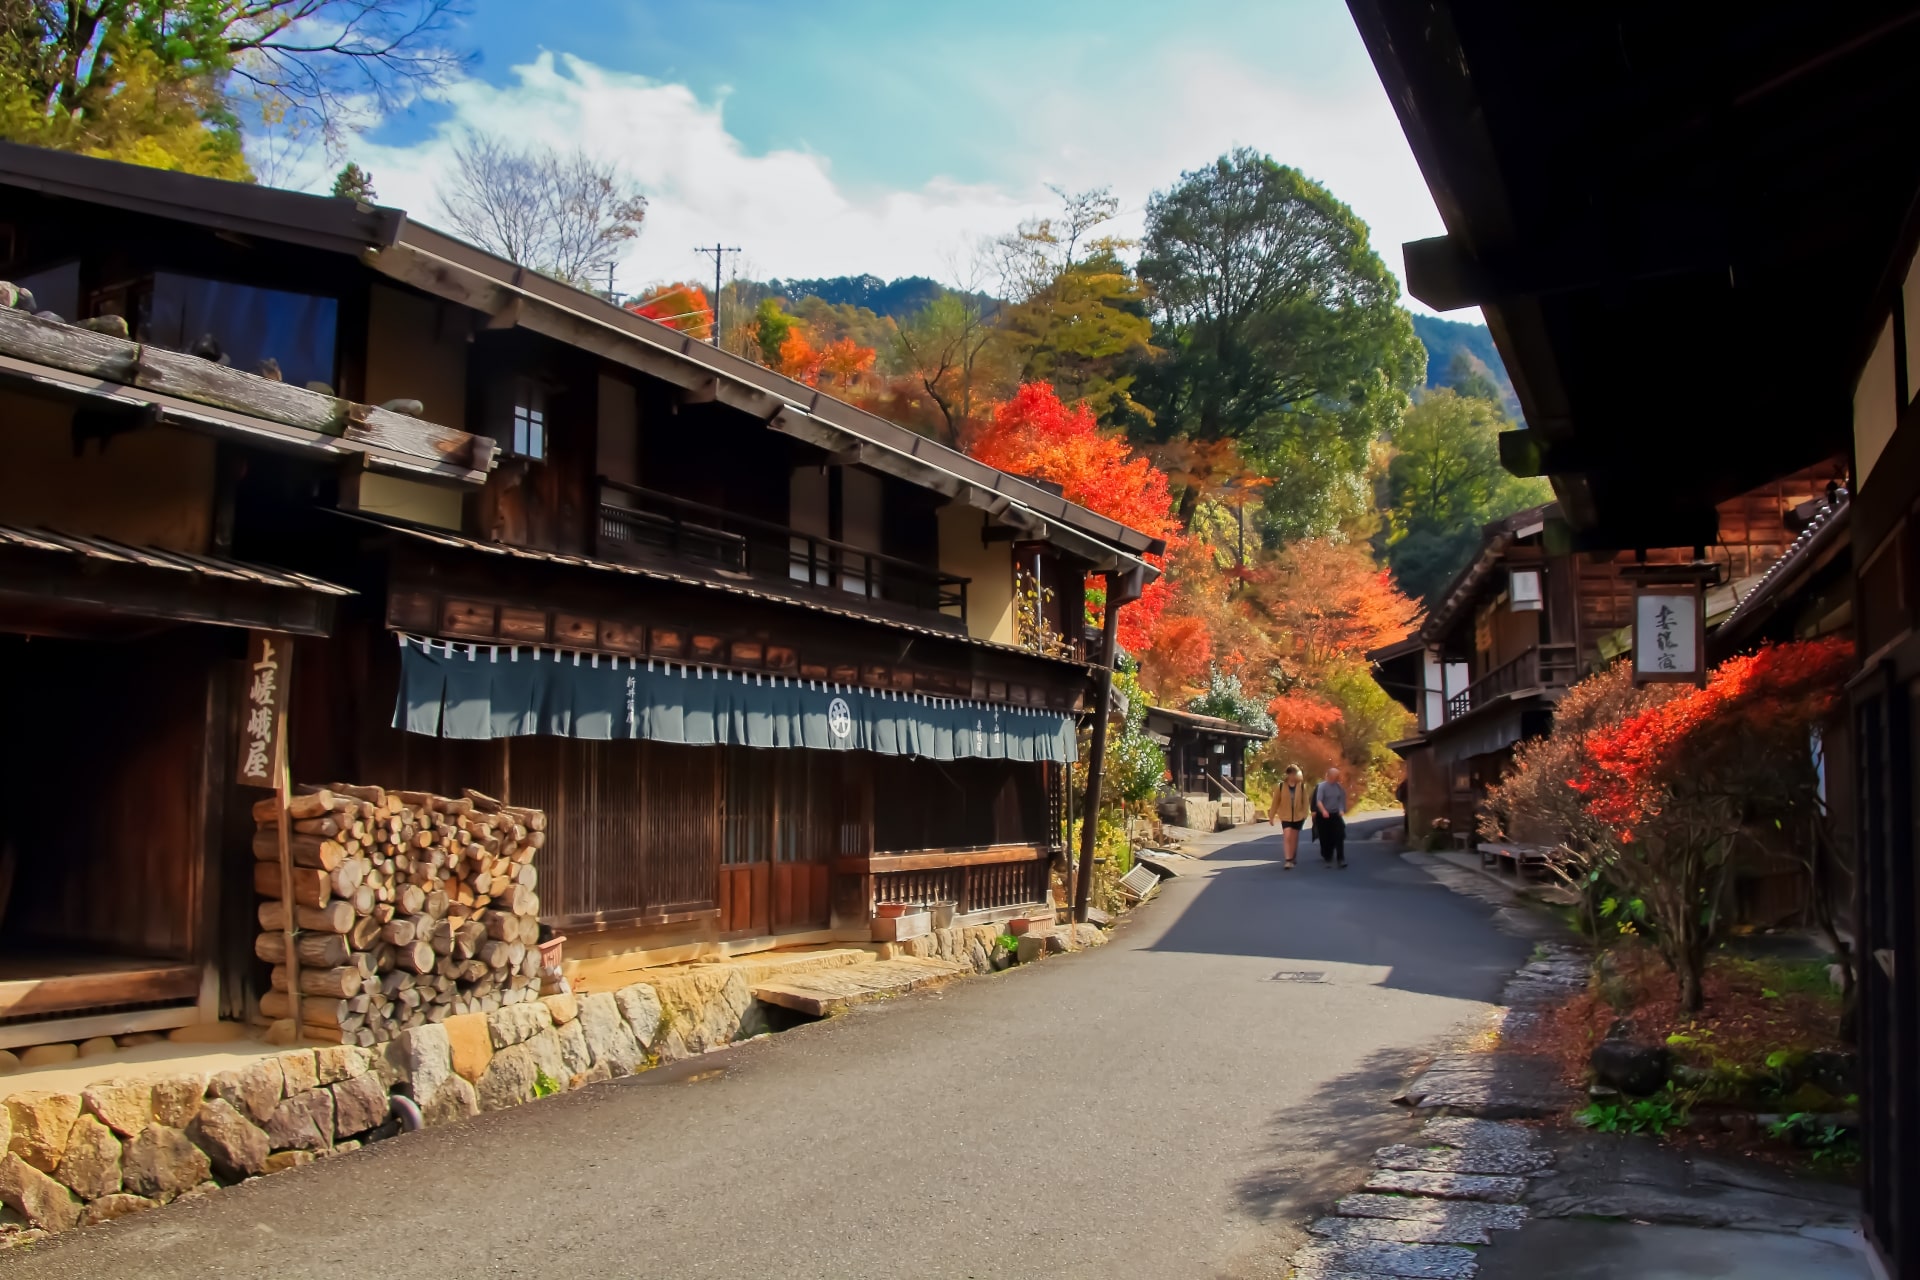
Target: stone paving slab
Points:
(1473, 1133)
(1494, 1104)
(1509, 1162)
(1448, 1186)
(1465, 1213)
(821, 993)
(1349, 1230)
(1387, 1258)
(1495, 1086)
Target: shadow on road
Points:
(1317, 1151)
(1379, 913)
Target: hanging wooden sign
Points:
(1668, 644)
(263, 706)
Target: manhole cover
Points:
(1299, 975)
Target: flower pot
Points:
(891, 910)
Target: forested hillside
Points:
(1458, 352)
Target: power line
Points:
(717, 252)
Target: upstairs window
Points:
(252, 329)
(529, 439)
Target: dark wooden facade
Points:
(636, 496)
(1798, 198)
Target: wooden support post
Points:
(1096, 766)
(283, 789)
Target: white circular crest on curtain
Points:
(839, 718)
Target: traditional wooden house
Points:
(1761, 195)
(1206, 764)
(124, 617)
(753, 651)
(1528, 616)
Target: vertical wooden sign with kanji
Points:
(1668, 644)
(263, 706)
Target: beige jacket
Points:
(1291, 805)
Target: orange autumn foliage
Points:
(1181, 649)
(1301, 714)
(798, 358)
(841, 363)
(1036, 435)
(1333, 601)
(681, 306)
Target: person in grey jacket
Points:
(1330, 806)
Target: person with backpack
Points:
(1330, 811)
(1291, 806)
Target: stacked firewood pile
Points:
(407, 907)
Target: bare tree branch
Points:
(562, 215)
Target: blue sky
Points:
(852, 135)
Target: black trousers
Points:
(1333, 838)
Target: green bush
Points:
(1658, 1115)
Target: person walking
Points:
(1291, 806)
(1330, 806)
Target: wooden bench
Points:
(1519, 858)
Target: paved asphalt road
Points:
(1157, 1108)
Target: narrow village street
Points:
(1160, 1106)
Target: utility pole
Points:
(717, 252)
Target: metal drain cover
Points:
(1299, 975)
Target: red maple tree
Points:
(1684, 784)
(1037, 435)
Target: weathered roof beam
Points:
(188, 391)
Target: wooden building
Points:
(1529, 616)
(1206, 766)
(753, 651)
(1733, 299)
(124, 617)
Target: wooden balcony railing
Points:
(1546, 666)
(973, 880)
(638, 523)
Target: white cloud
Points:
(1349, 142)
(786, 210)
(782, 207)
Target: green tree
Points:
(1077, 317)
(150, 120)
(1443, 483)
(355, 183)
(1135, 763)
(1468, 377)
(1281, 330)
(772, 324)
(170, 82)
